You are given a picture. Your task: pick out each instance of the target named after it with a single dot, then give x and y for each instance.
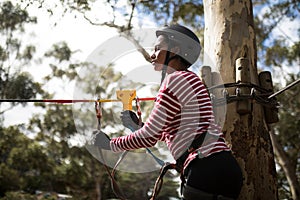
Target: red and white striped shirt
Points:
(182, 111)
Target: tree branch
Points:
(286, 165)
(5, 110)
(131, 14)
(137, 44)
(125, 31)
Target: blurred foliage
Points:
(13, 18)
(288, 133)
(187, 12)
(50, 161)
(21, 160)
(15, 55)
(60, 51)
(272, 49)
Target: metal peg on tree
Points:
(271, 113)
(243, 76)
(206, 76)
(218, 93)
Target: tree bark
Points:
(229, 35)
(287, 167)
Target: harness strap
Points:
(98, 110)
(197, 142)
(139, 113)
(164, 69)
(138, 110)
(159, 180)
(115, 187)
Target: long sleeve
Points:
(166, 107)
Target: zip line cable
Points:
(66, 101)
(284, 89)
(69, 101)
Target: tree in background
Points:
(279, 52)
(15, 54)
(285, 138)
(20, 162)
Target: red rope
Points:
(62, 101)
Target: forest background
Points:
(38, 154)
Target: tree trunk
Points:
(97, 180)
(98, 188)
(229, 35)
(287, 167)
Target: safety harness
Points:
(114, 185)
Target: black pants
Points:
(217, 174)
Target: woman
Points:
(181, 115)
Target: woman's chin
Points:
(158, 67)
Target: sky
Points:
(77, 32)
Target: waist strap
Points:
(190, 193)
(197, 142)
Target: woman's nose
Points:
(153, 56)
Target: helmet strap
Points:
(164, 69)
